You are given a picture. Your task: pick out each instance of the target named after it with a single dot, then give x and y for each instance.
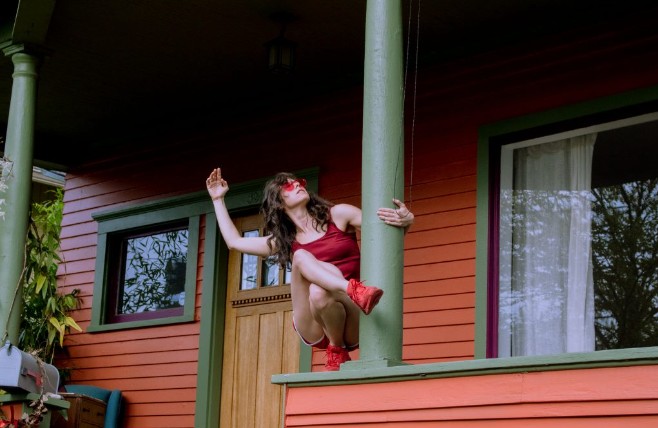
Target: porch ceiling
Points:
(121, 67)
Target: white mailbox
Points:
(20, 370)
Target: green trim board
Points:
(574, 361)
(211, 335)
(609, 108)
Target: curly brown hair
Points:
(279, 225)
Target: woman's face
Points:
(293, 192)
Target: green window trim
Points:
(189, 207)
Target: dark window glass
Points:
(150, 274)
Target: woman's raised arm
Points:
(217, 189)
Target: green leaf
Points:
(71, 323)
(40, 281)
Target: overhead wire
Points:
(415, 91)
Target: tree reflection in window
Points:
(154, 272)
(625, 259)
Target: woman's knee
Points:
(319, 298)
(299, 257)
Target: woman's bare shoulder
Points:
(345, 214)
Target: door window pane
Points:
(258, 272)
(249, 276)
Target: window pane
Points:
(249, 275)
(154, 272)
(288, 274)
(625, 248)
(270, 272)
(578, 260)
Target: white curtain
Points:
(546, 300)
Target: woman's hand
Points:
(399, 217)
(217, 186)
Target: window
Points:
(146, 264)
(270, 273)
(148, 273)
(576, 263)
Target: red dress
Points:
(336, 247)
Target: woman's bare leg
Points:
(333, 313)
(316, 272)
(304, 319)
(338, 315)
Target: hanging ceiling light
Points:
(281, 51)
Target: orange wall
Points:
(612, 397)
(156, 366)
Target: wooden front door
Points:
(259, 340)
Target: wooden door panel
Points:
(269, 362)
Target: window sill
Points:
(611, 358)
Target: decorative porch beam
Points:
(382, 179)
(18, 175)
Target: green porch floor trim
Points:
(574, 361)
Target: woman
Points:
(318, 239)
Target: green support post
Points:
(18, 151)
(382, 246)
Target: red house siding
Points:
(619, 397)
(156, 366)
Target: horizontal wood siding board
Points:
(139, 346)
(439, 318)
(439, 287)
(452, 269)
(438, 254)
(437, 220)
(572, 386)
(136, 372)
(462, 349)
(140, 421)
(79, 241)
(152, 384)
(164, 396)
(162, 409)
(437, 303)
(439, 334)
(437, 237)
(544, 414)
(137, 360)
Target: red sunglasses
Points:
(290, 185)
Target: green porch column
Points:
(383, 178)
(18, 151)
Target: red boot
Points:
(336, 355)
(364, 296)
